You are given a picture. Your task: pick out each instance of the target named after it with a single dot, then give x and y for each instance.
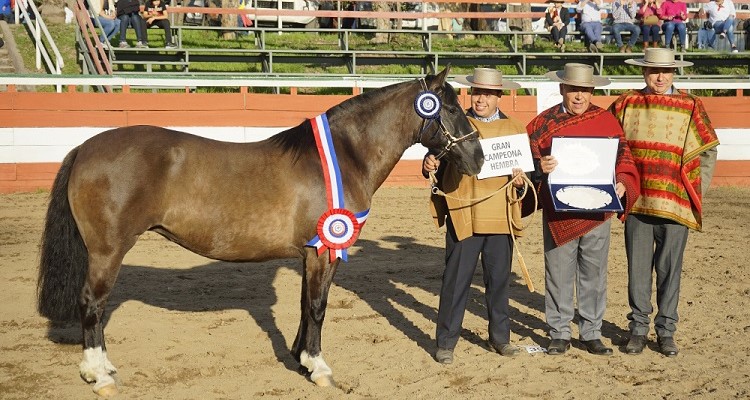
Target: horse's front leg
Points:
(317, 275)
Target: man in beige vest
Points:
(475, 227)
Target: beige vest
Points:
(488, 216)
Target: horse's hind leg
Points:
(317, 275)
(96, 367)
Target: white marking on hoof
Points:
(320, 373)
(96, 368)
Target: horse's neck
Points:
(376, 138)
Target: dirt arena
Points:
(185, 327)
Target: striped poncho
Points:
(667, 134)
(595, 122)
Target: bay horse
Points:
(230, 202)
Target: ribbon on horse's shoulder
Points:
(338, 228)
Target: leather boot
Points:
(622, 49)
(628, 49)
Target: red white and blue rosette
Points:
(338, 227)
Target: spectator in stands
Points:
(155, 14)
(624, 14)
(127, 13)
(703, 32)
(6, 11)
(721, 15)
(591, 23)
(104, 11)
(556, 20)
(650, 23)
(674, 15)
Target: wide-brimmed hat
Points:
(575, 74)
(658, 58)
(487, 78)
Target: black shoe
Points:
(558, 346)
(668, 347)
(636, 344)
(597, 347)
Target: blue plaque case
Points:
(584, 179)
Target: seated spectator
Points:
(721, 15)
(591, 23)
(556, 20)
(674, 15)
(104, 11)
(6, 11)
(127, 13)
(624, 14)
(155, 14)
(650, 23)
(703, 32)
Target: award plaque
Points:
(584, 179)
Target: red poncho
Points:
(595, 122)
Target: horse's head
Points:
(448, 132)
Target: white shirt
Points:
(590, 11)
(716, 13)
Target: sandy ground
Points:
(186, 327)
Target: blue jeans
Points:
(109, 28)
(651, 33)
(134, 20)
(669, 27)
(592, 31)
(620, 27)
(722, 27)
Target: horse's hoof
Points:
(107, 391)
(325, 381)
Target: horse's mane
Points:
(300, 139)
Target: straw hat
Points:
(577, 75)
(487, 78)
(658, 58)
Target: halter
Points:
(427, 121)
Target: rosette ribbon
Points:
(338, 228)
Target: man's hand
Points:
(548, 164)
(518, 181)
(430, 164)
(620, 189)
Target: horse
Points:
(234, 202)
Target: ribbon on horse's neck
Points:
(451, 139)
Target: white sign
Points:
(502, 154)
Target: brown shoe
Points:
(628, 49)
(623, 49)
(505, 349)
(655, 44)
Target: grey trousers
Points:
(579, 265)
(460, 262)
(654, 244)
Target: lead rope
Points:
(511, 224)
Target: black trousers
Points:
(460, 262)
(161, 23)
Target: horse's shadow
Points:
(375, 274)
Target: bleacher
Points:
(260, 57)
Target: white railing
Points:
(37, 27)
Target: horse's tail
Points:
(64, 260)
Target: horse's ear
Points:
(439, 80)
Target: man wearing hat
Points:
(475, 225)
(576, 245)
(674, 146)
